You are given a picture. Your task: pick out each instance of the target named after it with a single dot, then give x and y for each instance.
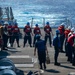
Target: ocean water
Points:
(54, 11)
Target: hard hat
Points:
(72, 29)
(63, 24)
(69, 27)
(74, 32)
(36, 25)
(47, 23)
(28, 23)
(16, 24)
(14, 20)
(57, 32)
(10, 24)
(6, 22)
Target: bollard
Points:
(71, 73)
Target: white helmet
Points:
(6, 22)
(74, 32)
(69, 27)
(72, 29)
(63, 24)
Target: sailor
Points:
(1, 36)
(27, 34)
(71, 49)
(1, 30)
(10, 33)
(61, 28)
(67, 31)
(48, 31)
(37, 32)
(41, 50)
(57, 45)
(5, 35)
(15, 34)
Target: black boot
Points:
(11, 45)
(30, 45)
(18, 46)
(57, 64)
(24, 44)
(33, 45)
(44, 66)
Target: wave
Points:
(54, 11)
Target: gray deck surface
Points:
(25, 60)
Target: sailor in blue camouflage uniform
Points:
(41, 50)
(57, 45)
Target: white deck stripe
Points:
(34, 60)
(22, 56)
(24, 65)
(19, 56)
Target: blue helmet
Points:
(16, 24)
(47, 23)
(10, 24)
(36, 25)
(28, 23)
(57, 32)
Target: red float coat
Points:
(47, 29)
(67, 31)
(71, 39)
(27, 29)
(61, 29)
(37, 30)
(9, 28)
(15, 29)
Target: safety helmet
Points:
(69, 27)
(36, 25)
(14, 20)
(74, 32)
(6, 23)
(63, 24)
(72, 29)
(16, 24)
(10, 24)
(57, 32)
(28, 23)
(47, 23)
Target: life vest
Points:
(9, 28)
(15, 29)
(47, 29)
(67, 31)
(37, 30)
(71, 40)
(61, 29)
(27, 29)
